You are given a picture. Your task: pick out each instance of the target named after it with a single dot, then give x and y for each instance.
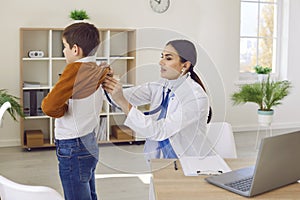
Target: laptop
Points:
(277, 165)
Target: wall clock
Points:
(160, 6)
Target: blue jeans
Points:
(77, 163)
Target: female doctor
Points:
(179, 112)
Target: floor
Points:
(121, 174)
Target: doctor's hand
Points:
(105, 66)
(114, 88)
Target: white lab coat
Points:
(185, 123)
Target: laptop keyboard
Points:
(242, 185)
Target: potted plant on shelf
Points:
(15, 108)
(262, 72)
(79, 15)
(266, 94)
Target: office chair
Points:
(3, 108)
(10, 190)
(221, 138)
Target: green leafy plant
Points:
(16, 109)
(265, 94)
(79, 15)
(262, 70)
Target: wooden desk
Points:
(171, 184)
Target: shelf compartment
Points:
(56, 42)
(58, 67)
(103, 49)
(36, 71)
(118, 44)
(34, 40)
(120, 69)
(42, 124)
(32, 100)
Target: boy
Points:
(75, 101)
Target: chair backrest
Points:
(3, 108)
(221, 138)
(10, 190)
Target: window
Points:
(259, 34)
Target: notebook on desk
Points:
(277, 165)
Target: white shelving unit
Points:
(117, 48)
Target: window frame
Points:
(276, 68)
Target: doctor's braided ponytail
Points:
(196, 78)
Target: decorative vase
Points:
(265, 117)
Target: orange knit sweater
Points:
(78, 80)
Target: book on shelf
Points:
(39, 98)
(101, 133)
(26, 103)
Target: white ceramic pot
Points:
(262, 77)
(79, 21)
(265, 118)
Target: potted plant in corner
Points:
(15, 107)
(266, 94)
(262, 72)
(78, 15)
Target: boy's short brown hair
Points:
(84, 35)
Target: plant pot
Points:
(262, 77)
(80, 20)
(265, 117)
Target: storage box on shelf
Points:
(41, 62)
(34, 138)
(121, 132)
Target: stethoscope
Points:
(156, 110)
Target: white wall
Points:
(213, 25)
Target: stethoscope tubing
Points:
(110, 101)
(151, 112)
